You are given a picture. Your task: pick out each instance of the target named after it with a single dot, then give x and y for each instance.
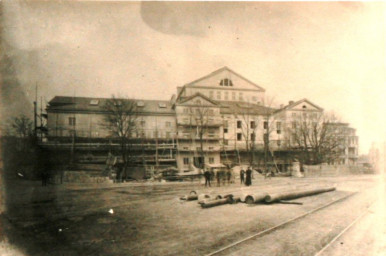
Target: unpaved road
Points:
(149, 219)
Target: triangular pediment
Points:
(198, 100)
(225, 78)
(304, 104)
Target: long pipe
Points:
(297, 194)
(255, 198)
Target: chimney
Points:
(290, 102)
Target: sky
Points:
(332, 53)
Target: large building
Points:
(219, 118)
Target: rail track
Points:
(332, 241)
(266, 231)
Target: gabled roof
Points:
(215, 73)
(198, 95)
(66, 103)
(293, 104)
(227, 69)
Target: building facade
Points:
(219, 118)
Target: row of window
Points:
(305, 115)
(204, 111)
(253, 138)
(72, 121)
(187, 160)
(225, 95)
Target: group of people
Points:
(220, 176)
(247, 175)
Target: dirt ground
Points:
(150, 219)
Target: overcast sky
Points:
(331, 53)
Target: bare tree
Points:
(249, 124)
(270, 116)
(316, 137)
(201, 117)
(21, 127)
(121, 120)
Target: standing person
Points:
(242, 173)
(207, 177)
(248, 180)
(229, 175)
(218, 177)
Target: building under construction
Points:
(220, 118)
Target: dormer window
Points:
(161, 105)
(140, 104)
(226, 82)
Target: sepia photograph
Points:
(163, 128)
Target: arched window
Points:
(226, 82)
(304, 106)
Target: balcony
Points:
(196, 149)
(211, 122)
(197, 138)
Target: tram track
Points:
(281, 225)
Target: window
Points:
(304, 106)
(265, 125)
(219, 95)
(225, 142)
(239, 136)
(279, 142)
(293, 114)
(155, 134)
(238, 124)
(211, 112)
(225, 130)
(162, 105)
(253, 137)
(241, 96)
(211, 160)
(140, 104)
(226, 82)
(225, 95)
(210, 148)
(71, 121)
(185, 110)
(305, 115)
(293, 125)
(143, 123)
(168, 124)
(168, 135)
(254, 98)
(186, 160)
(278, 127)
(253, 125)
(211, 94)
(233, 95)
(226, 123)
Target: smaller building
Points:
(348, 144)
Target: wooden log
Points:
(295, 194)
